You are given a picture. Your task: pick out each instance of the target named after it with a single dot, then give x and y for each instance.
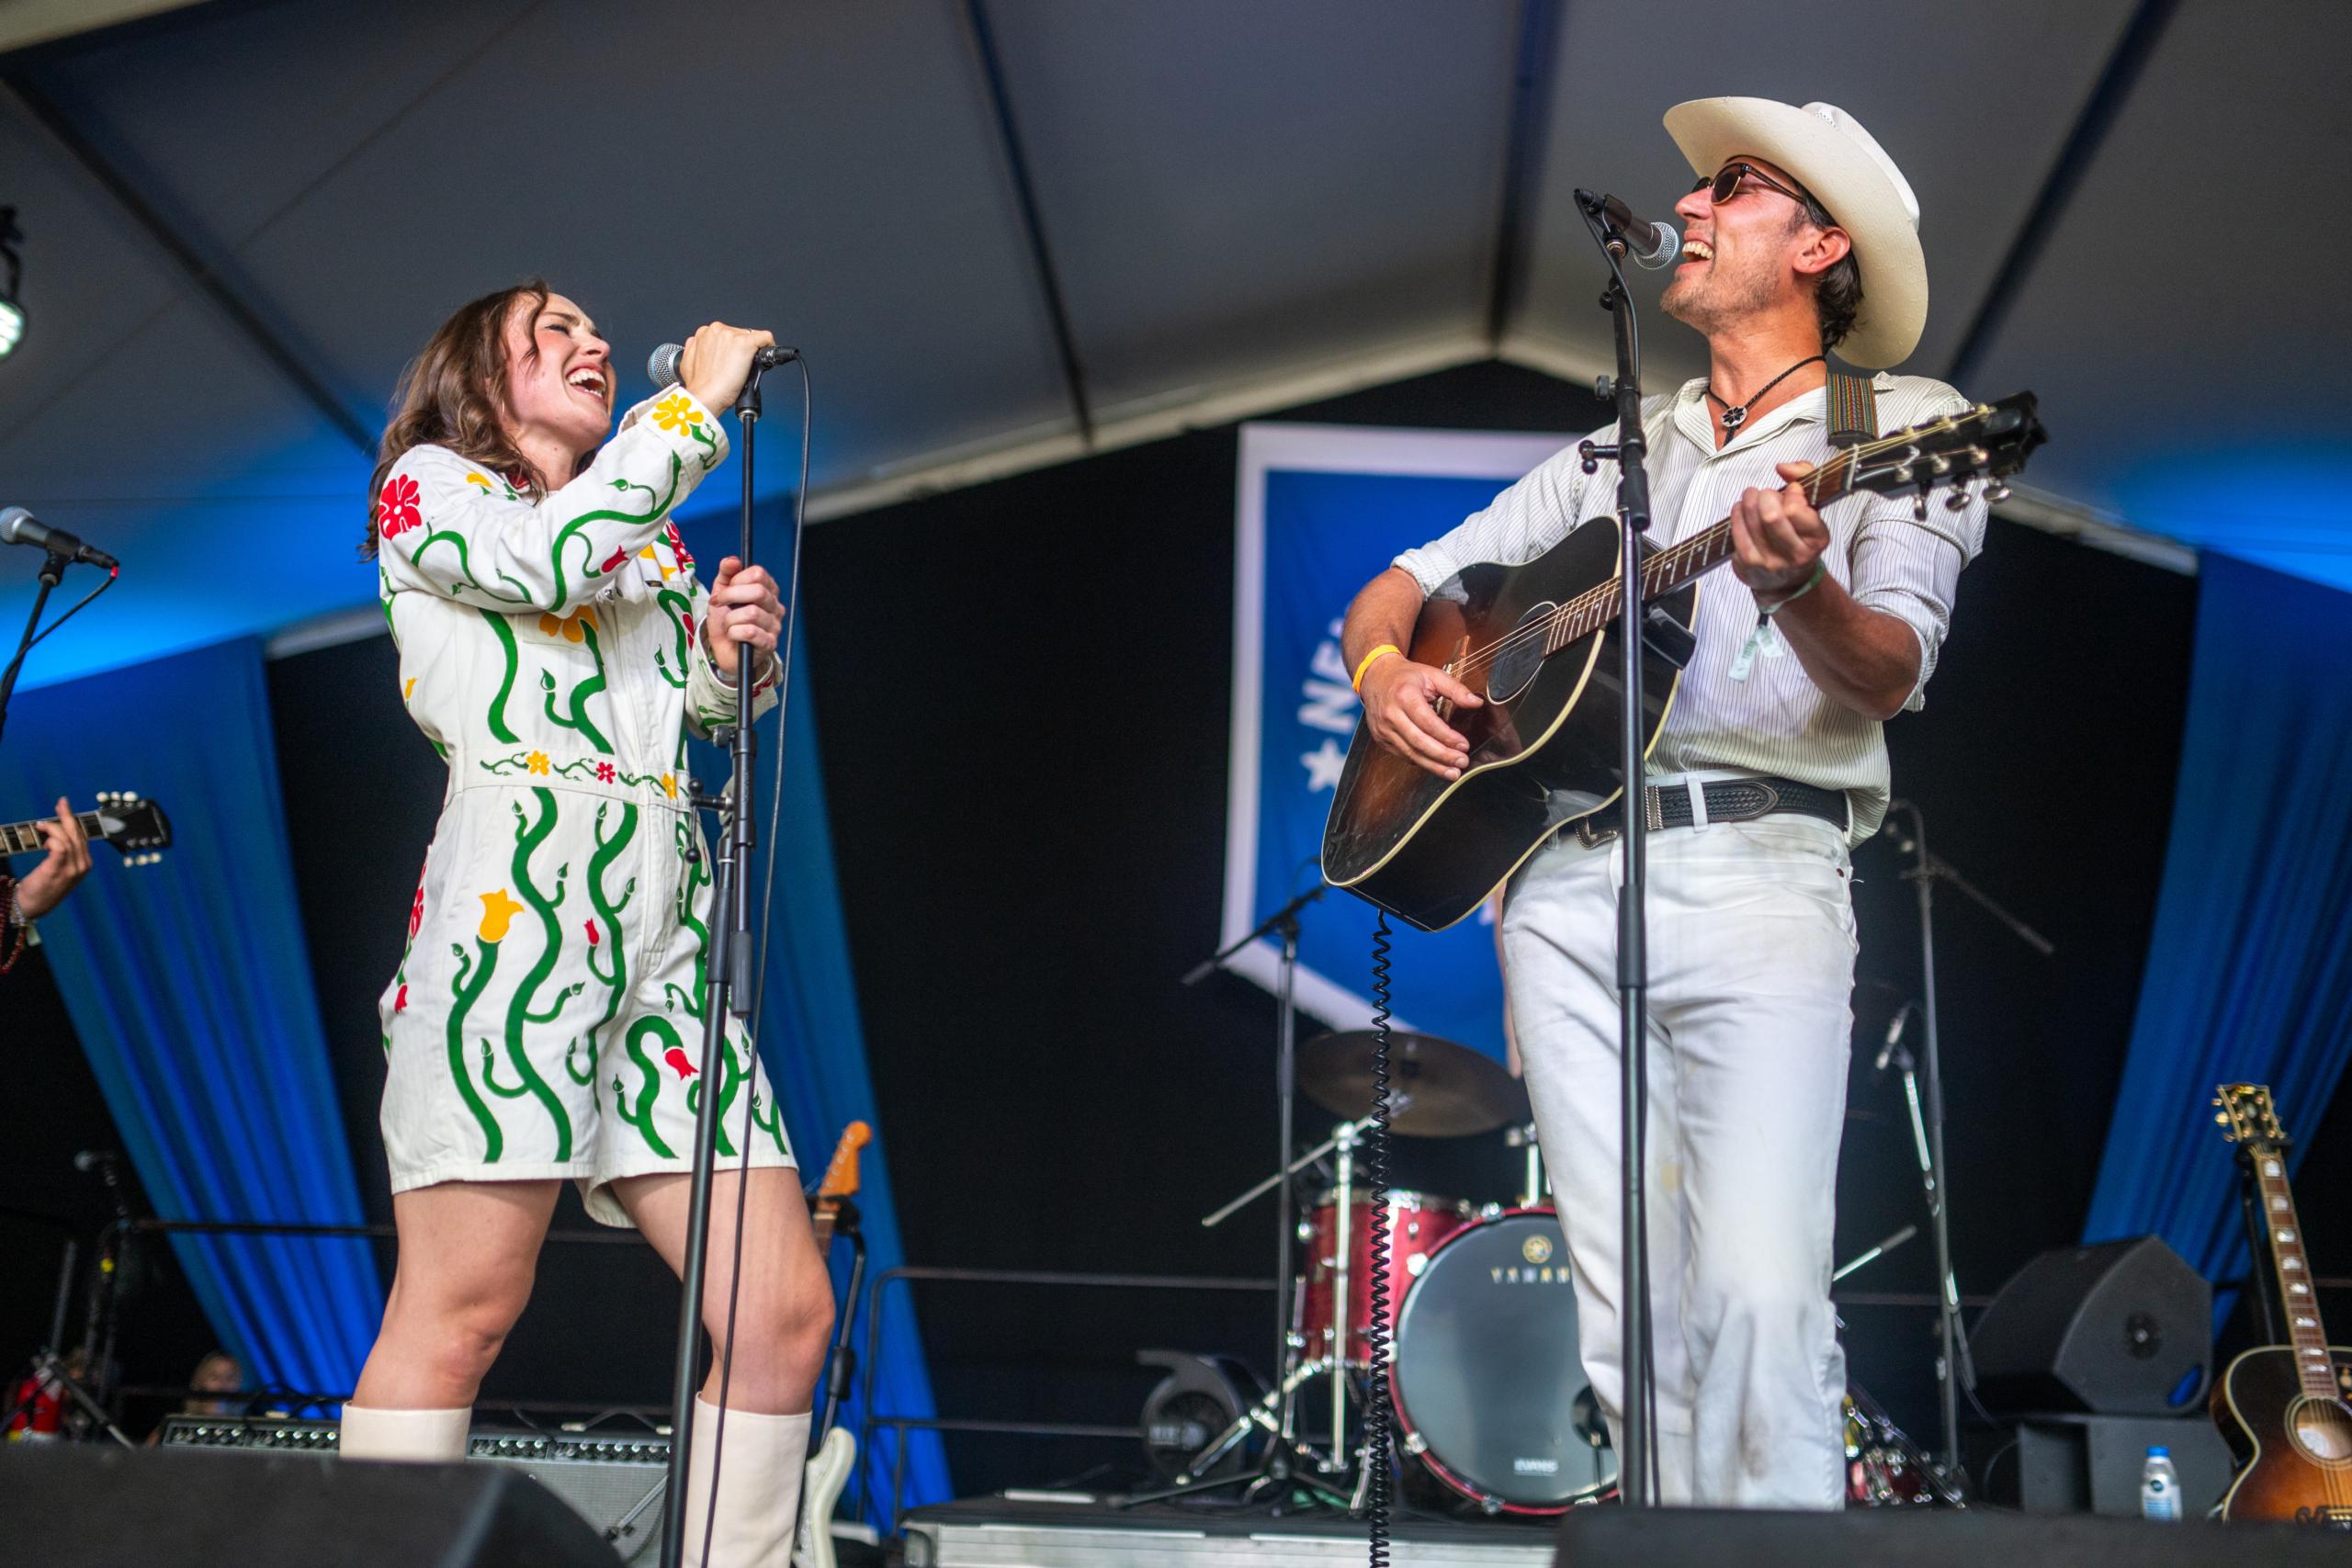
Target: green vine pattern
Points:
(578, 768)
(528, 837)
(650, 1080)
(499, 728)
(607, 851)
(573, 530)
(472, 980)
(679, 607)
(578, 722)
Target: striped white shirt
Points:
(1776, 720)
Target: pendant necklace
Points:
(1735, 415)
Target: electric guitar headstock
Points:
(1989, 441)
(2248, 1120)
(840, 1185)
(137, 828)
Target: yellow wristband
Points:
(1366, 663)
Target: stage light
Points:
(12, 310)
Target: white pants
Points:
(1751, 934)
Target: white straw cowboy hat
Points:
(1826, 149)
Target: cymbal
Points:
(1438, 1089)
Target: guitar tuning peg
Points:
(1919, 508)
(1957, 501)
(1997, 493)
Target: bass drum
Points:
(1488, 1376)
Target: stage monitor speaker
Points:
(84, 1506)
(1928, 1538)
(2123, 1329)
(615, 1481)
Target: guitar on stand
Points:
(2282, 1407)
(828, 1469)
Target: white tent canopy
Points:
(1010, 232)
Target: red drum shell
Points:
(1419, 1223)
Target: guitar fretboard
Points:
(24, 837)
(2301, 1297)
(1679, 564)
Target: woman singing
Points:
(545, 1021)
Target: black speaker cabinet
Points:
(2114, 1330)
(83, 1506)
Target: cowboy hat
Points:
(1825, 150)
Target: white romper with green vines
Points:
(545, 1021)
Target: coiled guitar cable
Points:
(1378, 1433)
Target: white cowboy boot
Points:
(413, 1434)
(759, 1488)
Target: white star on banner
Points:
(1323, 766)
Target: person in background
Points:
(44, 887)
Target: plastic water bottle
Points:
(2159, 1487)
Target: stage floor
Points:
(1076, 1530)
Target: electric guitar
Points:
(829, 1467)
(2283, 1407)
(137, 828)
(1539, 642)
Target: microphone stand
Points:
(1283, 921)
(727, 981)
(52, 572)
(1953, 1364)
(1630, 450)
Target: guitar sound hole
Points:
(2323, 1429)
(1519, 654)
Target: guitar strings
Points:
(1838, 468)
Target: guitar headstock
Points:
(136, 828)
(841, 1176)
(2247, 1118)
(1988, 441)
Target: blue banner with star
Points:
(1321, 509)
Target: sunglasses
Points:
(1721, 186)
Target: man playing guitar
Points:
(1801, 236)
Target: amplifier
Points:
(616, 1483)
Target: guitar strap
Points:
(1853, 410)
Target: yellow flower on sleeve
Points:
(536, 761)
(571, 628)
(676, 412)
(669, 785)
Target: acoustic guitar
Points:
(1539, 642)
(2283, 1407)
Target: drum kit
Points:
(1484, 1362)
(1493, 1411)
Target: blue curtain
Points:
(2249, 975)
(189, 984)
(813, 1043)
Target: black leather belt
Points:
(1728, 800)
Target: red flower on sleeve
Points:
(677, 545)
(396, 510)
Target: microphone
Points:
(1651, 245)
(662, 365)
(18, 526)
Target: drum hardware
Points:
(1537, 1189)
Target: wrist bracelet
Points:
(1356, 681)
(1820, 570)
